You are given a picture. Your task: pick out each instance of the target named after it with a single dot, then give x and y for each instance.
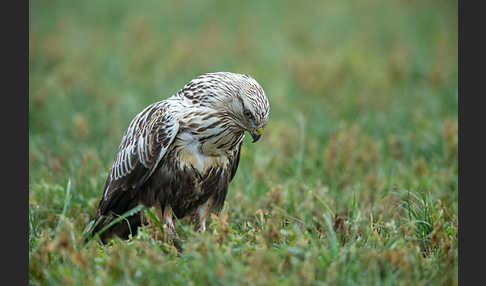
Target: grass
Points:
(355, 181)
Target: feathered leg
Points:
(200, 216)
(165, 217)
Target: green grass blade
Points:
(118, 219)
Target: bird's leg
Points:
(168, 225)
(143, 221)
(165, 218)
(160, 217)
(201, 214)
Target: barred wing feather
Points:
(149, 136)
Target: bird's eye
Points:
(247, 114)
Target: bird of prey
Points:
(180, 154)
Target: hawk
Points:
(180, 154)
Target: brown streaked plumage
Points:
(180, 154)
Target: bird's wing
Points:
(143, 146)
(236, 159)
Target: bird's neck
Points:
(214, 132)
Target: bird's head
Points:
(250, 106)
(237, 96)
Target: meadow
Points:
(355, 181)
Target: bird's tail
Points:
(104, 227)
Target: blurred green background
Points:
(354, 182)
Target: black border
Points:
(471, 141)
(15, 135)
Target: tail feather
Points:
(122, 228)
(110, 210)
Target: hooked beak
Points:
(256, 134)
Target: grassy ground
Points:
(354, 182)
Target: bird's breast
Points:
(190, 154)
